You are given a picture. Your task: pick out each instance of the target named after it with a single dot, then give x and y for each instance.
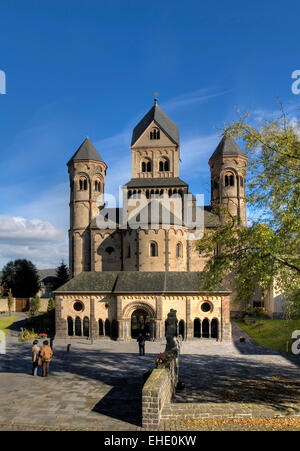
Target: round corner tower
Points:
(228, 177)
(87, 173)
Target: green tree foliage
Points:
(51, 305)
(34, 306)
(62, 275)
(267, 251)
(22, 277)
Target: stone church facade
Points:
(131, 265)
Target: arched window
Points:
(153, 249)
(229, 180)
(70, 327)
(147, 194)
(109, 250)
(155, 133)
(197, 328)
(78, 332)
(181, 328)
(215, 328)
(86, 326)
(146, 166)
(179, 250)
(107, 327)
(100, 323)
(129, 194)
(205, 328)
(83, 184)
(164, 165)
(97, 186)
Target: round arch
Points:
(130, 308)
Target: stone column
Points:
(225, 327)
(158, 321)
(94, 330)
(61, 328)
(189, 323)
(120, 319)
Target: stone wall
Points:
(4, 305)
(157, 392)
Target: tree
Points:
(267, 251)
(9, 301)
(51, 305)
(22, 277)
(34, 306)
(62, 275)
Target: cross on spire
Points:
(155, 98)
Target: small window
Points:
(83, 184)
(78, 306)
(229, 180)
(155, 133)
(178, 250)
(149, 166)
(144, 167)
(128, 251)
(164, 165)
(153, 249)
(97, 186)
(109, 250)
(206, 307)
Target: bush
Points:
(34, 306)
(27, 335)
(259, 312)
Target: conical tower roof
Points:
(86, 151)
(162, 120)
(227, 146)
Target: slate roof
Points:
(155, 182)
(86, 151)
(122, 282)
(227, 146)
(162, 120)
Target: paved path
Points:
(99, 386)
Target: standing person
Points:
(35, 357)
(141, 342)
(46, 354)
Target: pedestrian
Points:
(35, 357)
(141, 342)
(46, 354)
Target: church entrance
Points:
(140, 323)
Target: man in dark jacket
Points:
(141, 342)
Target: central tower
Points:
(155, 146)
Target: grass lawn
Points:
(6, 322)
(272, 334)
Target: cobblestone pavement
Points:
(98, 386)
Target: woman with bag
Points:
(35, 357)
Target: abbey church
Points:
(130, 265)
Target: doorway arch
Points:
(140, 323)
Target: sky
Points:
(90, 68)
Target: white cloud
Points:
(33, 239)
(198, 96)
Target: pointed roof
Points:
(227, 146)
(163, 121)
(86, 151)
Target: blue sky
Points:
(90, 68)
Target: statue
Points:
(172, 344)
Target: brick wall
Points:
(157, 392)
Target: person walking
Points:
(46, 354)
(35, 357)
(141, 342)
